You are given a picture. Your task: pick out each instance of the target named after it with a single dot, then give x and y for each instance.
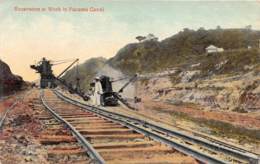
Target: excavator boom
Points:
(67, 68)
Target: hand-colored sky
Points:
(25, 37)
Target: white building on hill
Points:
(213, 49)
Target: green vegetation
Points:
(188, 47)
(175, 79)
(240, 109)
(232, 62)
(144, 81)
(181, 50)
(221, 128)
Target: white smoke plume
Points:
(114, 74)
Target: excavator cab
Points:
(107, 98)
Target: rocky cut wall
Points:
(237, 93)
(8, 81)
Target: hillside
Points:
(224, 80)
(180, 51)
(86, 72)
(179, 81)
(185, 48)
(8, 81)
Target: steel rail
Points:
(2, 119)
(251, 158)
(4, 98)
(6, 112)
(85, 144)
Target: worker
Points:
(98, 91)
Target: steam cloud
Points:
(114, 74)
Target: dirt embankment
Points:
(235, 101)
(226, 106)
(237, 119)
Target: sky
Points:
(27, 36)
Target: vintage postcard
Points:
(129, 81)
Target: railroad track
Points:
(200, 149)
(109, 141)
(57, 142)
(16, 101)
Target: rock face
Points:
(178, 69)
(187, 76)
(8, 81)
(240, 93)
(227, 81)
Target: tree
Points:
(201, 29)
(186, 30)
(140, 38)
(218, 27)
(248, 27)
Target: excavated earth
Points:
(223, 107)
(18, 138)
(23, 136)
